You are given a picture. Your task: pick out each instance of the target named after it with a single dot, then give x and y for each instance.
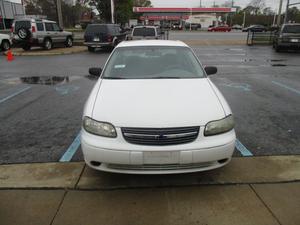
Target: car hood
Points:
(157, 103)
(290, 34)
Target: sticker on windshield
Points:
(120, 66)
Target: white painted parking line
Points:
(68, 155)
(14, 94)
(286, 87)
(242, 149)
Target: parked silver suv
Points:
(39, 32)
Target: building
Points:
(204, 16)
(9, 10)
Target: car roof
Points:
(35, 20)
(138, 43)
(145, 27)
(102, 24)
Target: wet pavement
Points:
(42, 98)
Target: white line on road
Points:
(287, 87)
(14, 94)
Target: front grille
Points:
(160, 136)
(154, 167)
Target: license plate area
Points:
(96, 39)
(161, 157)
(294, 40)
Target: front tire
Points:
(91, 49)
(47, 44)
(277, 48)
(5, 45)
(69, 42)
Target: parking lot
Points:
(43, 179)
(42, 98)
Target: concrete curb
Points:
(248, 170)
(55, 51)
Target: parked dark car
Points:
(255, 28)
(288, 37)
(105, 36)
(176, 26)
(193, 26)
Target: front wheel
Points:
(91, 49)
(69, 42)
(47, 44)
(5, 45)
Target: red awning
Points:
(155, 18)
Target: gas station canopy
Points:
(183, 10)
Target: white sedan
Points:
(154, 111)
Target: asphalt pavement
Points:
(42, 98)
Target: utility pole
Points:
(59, 13)
(279, 13)
(244, 19)
(200, 3)
(112, 6)
(286, 11)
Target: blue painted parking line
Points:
(287, 87)
(67, 156)
(14, 94)
(242, 149)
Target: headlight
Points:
(219, 126)
(99, 128)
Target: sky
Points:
(274, 4)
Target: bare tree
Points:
(257, 6)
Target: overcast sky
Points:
(195, 3)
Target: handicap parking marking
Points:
(242, 149)
(14, 94)
(241, 86)
(68, 155)
(286, 87)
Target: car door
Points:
(50, 31)
(59, 34)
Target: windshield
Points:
(144, 31)
(96, 29)
(155, 62)
(291, 29)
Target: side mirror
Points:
(95, 71)
(210, 70)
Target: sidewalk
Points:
(256, 190)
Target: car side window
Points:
(111, 30)
(55, 27)
(49, 26)
(40, 26)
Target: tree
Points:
(142, 3)
(227, 3)
(71, 14)
(268, 11)
(256, 6)
(123, 9)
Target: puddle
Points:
(45, 80)
(276, 60)
(278, 65)
(91, 77)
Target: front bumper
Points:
(116, 155)
(98, 44)
(289, 44)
